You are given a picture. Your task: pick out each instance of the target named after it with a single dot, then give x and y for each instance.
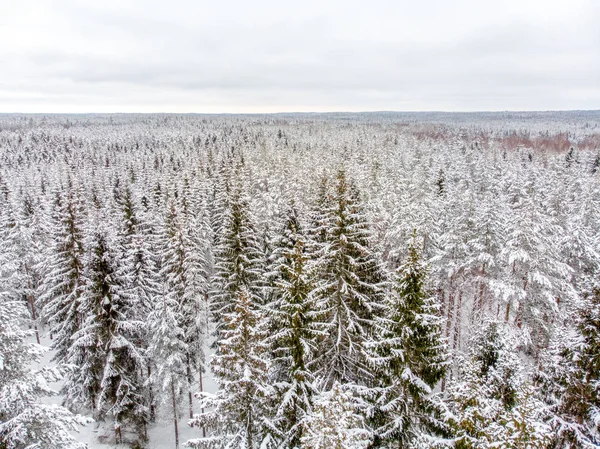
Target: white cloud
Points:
(234, 56)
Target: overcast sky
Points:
(270, 56)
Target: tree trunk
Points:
(175, 423)
(151, 396)
(480, 301)
(449, 313)
(249, 431)
(457, 324)
(117, 433)
(34, 319)
(189, 380)
(33, 310)
(202, 409)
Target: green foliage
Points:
(350, 292)
(294, 328)
(410, 359)
(492, 404)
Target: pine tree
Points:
(410, 358)
(294, 328)
(237, 414)
(350, 291)
(25, 422)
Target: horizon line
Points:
(381, 111)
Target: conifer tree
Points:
(335, 422)
(294, 328)
(64, 278)
(238, 259)
(572, 379)
(535, 276)
(410, 358)
(168, 351)
(184, 269)
(138, 241)
(25, 421)
(350, 291)
(105, 348)
(25, 232)
(237, 415)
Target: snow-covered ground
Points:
(98, 435)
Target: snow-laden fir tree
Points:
(139, 269)
(25, 231)
(136, 239)
(409, 358)
(535, 277)
(106, 349)
(492, 403)
(571, 379)
(64, 277)
(169, 353)
(183, 267)
(349, 293)
(237, 415)
(25, 421)
(293, 324)
(336, 422)
(238, 259)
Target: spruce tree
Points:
(106, 347)
(572, 379)
(238, 259)
(294, 330)
(349, 293)
(64, 278)
(168, 351)
(25, 232)
(184, 269)
(410, 359)
(237, 415)
(25, 421)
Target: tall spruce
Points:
(410, 359)
(183, 268)
(350, 290)
(237, 415)
(106, 347)
(25, 420)
(238, 259)
(64, 274)
(168, 351)
(294, 330)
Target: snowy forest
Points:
(287, 281)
